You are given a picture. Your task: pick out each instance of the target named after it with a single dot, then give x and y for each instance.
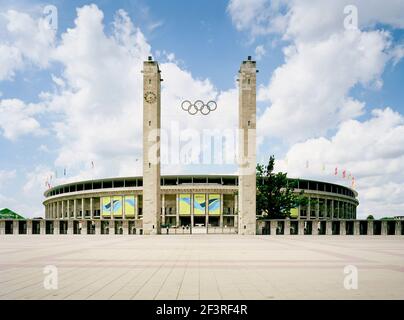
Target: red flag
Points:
(343, 174)
(336, 171)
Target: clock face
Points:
(150, 97)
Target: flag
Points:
(336, 171)
(344, 174)
(64, 171)
(353, 182)
(92, 164)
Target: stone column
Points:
(151, 147)
(309, 207)
(328, 228)
(301, 227)
(247, 147)
(398, 228)
(314, 227)
(97, 227)
(235, 211)
(83, 226)
(192, 210)
(125, 227)
(83, 215)
(70, 226)
(177, 207)
(92, 208)
(384, 228)
(68, 208)
(112, 227)
(287, 227)
(370, 228)
(63, 209)
(29, 226)
(15, 227)
(163, 209)
(42, 226)
(56, 227)
(332, 208)
(273, 226)
(356, 227)
(137, 207)
(75, 208)
(206, 210)
(2, 227)
(221, 212)
(342, 228)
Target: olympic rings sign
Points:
(200, 106)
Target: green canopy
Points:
(9, 214)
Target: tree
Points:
(370, 217)
(275, 192)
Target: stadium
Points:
(197, 202)
(153, 204)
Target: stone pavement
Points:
(201, 267)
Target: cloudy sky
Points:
(329, 95)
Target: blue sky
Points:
(327, 96)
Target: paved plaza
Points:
(201, 267)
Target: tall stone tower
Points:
(247, 148)
(151, 147)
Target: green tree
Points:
(370, 217)
(275, 192)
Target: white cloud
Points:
(309, 20)
(99, 97)
(309, 94)
(18, 118)
(372, 151)
(44, 148)
(6, 176)
(36, 180)
(259, 52)
(28, 41)
(11, 60)
(257, 16)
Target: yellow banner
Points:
(199, 204)
(117, 206)
(185, 204)
(130, 202)
(214, 204)
(106, 206)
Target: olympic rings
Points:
(200, 106)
